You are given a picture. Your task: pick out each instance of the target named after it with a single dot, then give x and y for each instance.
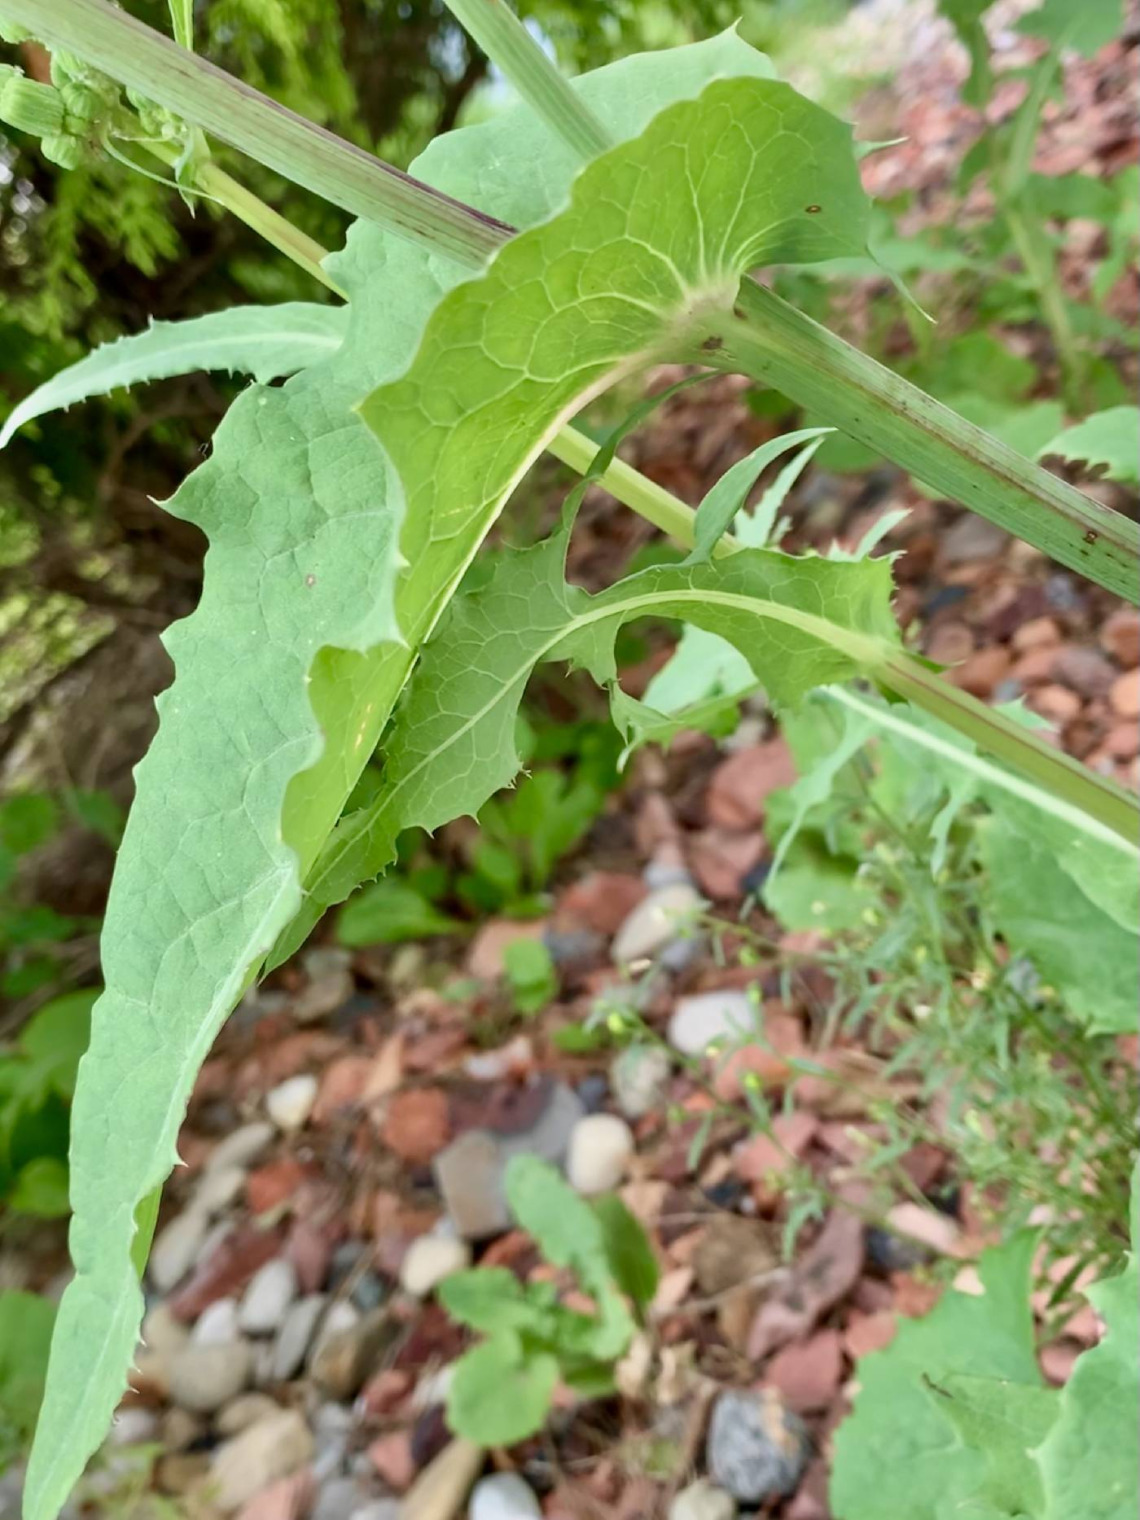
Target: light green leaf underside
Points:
(899, 1456)
(452, 744)
(1004, 1421)
(277, 673)
(263, 341)
(1090, 1459)
(1109, 439)
(1102, 864)
(1082, 952)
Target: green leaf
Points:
(182, 20)
(26, 1322)
(899, 1456)
(55, 1038)
(629, 1251)
(1108, 439)
(1005, 1421)
(27, 821)
(492, 1299)
(1077, 948)
(1090, 1458)
(40, 1189)
(570, 1234)
(966, 18)
(264, 341)
(389, 912)
(725, 500)
(285, 676)
(453, 744)
(1084, 28)
(500, 1391)
(657, 230)
(531, 974)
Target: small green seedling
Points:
(530, 974)
(503, 1388)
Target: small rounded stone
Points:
(429, 1259)
(600, 1148)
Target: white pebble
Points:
(243, 1147)
(291, 1102)
(267, 1298)
(218, 1189)
(600, 1148)
(707, 1016)
(176, 1248)
(503, 1496)
(656, 922)
(702, 1500)
(217, 1325)
(429, 1259)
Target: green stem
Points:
(1033, 248)
(277, 230)
(507, 43)
(770, 341)
(632, 489)
(1013, 743)
(197, 91)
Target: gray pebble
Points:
(640, 1077)
(757, 1449)
(296, 1336)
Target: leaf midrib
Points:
(861, 647)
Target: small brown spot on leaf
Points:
(811, 210)
(1091, 536)
(710, 345)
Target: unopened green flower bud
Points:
(81, 103)
(62, 149)
(30, 106)
(66, 67)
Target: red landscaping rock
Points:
(1121, 637)
(982, 671)
(226, 1271)
(1038, 633)
(485, 956)
(807, 1373)
(868, 1332)
(417, 1125)
(1057, 703)
(391, 1456)
(274, 1184)
(1125, 695)
(826, 1274)
(342, 1086)
(1057, 1361)
(768, 1157)
(721, 858)
(601, 900)
(287, 1499)
(739, 786)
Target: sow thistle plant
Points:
(530, 264)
